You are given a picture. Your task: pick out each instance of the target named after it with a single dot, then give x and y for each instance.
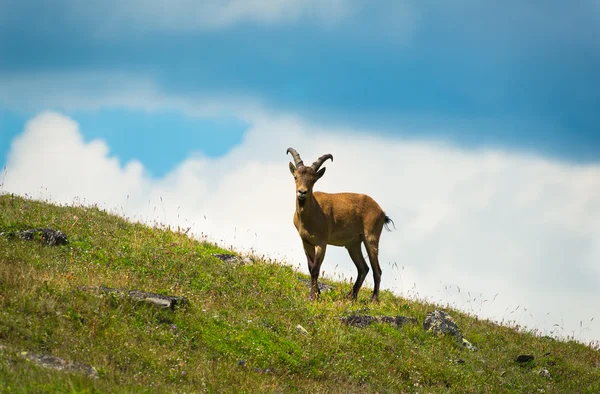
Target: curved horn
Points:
(317, 164)
(296, 156)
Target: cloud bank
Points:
(485, 222)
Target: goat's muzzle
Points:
(301, 195)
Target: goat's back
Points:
(350, 214)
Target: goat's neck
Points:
(306, 210)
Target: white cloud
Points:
(96, 90)
(190, 15)
(486, 222)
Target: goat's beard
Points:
(301, 202)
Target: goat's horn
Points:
(296, 156)
(317, 164)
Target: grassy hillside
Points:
(239, 331)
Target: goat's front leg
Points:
(315, 269)
(309, 251)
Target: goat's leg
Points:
(372, 246)
(361, 265)
(314, 270)
(309, 250)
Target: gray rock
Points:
(52, 362)
(161, 301)
(233, 259)
(47, 235)
(469, 345)
(544, 372)
(439, 322)
(322, 286)
(362, 321)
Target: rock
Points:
(57, 363)
(233, 259)
(322, 286)
(301, 329)
(162, 301)
(359, 320)
(524, 358)
(469, 345)
(362, 321)
(49, 236)
(544, 372)
(439, 322)
(399, 321)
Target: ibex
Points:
(341, 219)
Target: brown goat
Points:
(341, 219)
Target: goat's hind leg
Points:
(361, 265)
(372, 246)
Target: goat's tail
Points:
(387, 221)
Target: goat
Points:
(340, 219)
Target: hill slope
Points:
(238, 332)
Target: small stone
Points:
(544, 372)
(469, 345)
(48, 361)
(524, 358)
(233, 259)
(362, 321)
(399, 321)
(225, 257)
(301, 329)
(247, 261)
(162, 301)
(322, 286)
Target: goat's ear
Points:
(320, 173)
(292, 168)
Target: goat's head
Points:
(306, 176)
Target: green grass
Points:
(238, 333)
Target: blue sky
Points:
(521, 75)
(476, 125)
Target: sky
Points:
(474, 125)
